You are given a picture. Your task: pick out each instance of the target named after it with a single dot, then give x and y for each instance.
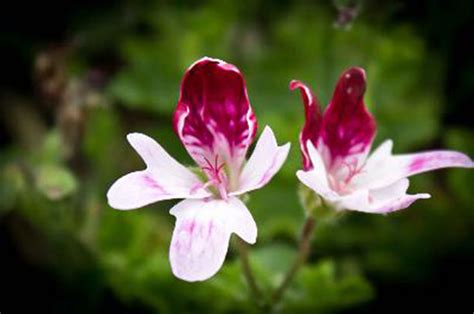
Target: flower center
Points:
(340, 177)
(217, 177)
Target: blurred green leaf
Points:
(323, 288)
(55, 182)
(12, 183)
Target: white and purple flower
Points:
(335, 149)
(216, 124)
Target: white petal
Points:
(383, 200)
(380, 153)
(267, 158)
(383, 168)
(316, 178)
(358, 200)
(400, 203)
(240, 220)
(163, 179)
(135, 190)
(202, 233)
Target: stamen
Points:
(216, 178)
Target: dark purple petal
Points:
(213, 117)
(313, 121)
(348, 127)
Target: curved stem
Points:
(303, 252)
(247, 270)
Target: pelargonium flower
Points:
(216, 124)
(335, 149)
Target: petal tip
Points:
(353, 81)
(424, 196)
(286, 146)
(114, 199)
(356, 72)
(131, 137)
(294, 84)
(218, 62)
(268, 129)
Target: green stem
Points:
(248, 274)
(303, 252)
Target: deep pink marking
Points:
(417, 164)
(437, 159)
(214, 98)
(352, 170)
(348, 127)
(313, 121)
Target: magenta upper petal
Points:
(213, 118)
(348, 127)
(313, 121)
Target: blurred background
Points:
(77, 76)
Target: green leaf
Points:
(325, 287)
(55, 182)
(12, 183)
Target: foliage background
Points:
(77, 77)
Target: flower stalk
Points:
(304, 247)
(255, 291)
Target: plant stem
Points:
(247, 270)
(303, 252)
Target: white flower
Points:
(216, 124)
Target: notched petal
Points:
(199, 243)
(164, 178)
(383, 200)
(202, 232)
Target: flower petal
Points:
(383, 168)
(202, 233)
(163, 179)
(267, 158)
(317, 178)
(240, 220)
(380, 201)
(393, 197)
(213, 117)
(313, 121)
(348, 127)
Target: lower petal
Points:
(382, 200)
(400, 203)
(202, 232)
